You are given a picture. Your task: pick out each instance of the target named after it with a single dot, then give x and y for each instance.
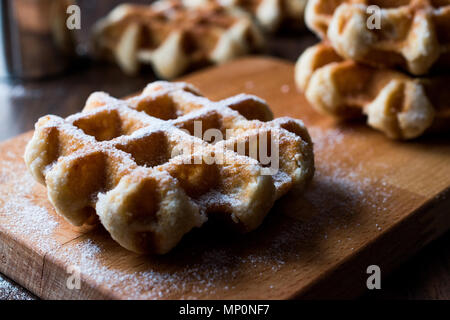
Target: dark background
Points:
(426, 276)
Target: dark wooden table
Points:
(426, 276)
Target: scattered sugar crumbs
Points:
(249, 85)
(210, 273)
(349, 186)
(285, 88)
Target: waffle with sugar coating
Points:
(399, 105)
(137, 164)
(174, 38)
(414, 34)
(270, 14)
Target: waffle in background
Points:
(174, 38)
(414, 34)
(401, 106)
(358, 71)
(270, 14)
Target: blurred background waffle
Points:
(392, 70)
(270, 14)
(174, 38)
(399, 105)
(410, 34)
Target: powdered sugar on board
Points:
(18, 212)
(208, 272)
(11, 291)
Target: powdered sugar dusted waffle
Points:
(173, 37)
(154, 166)
(411, 34)
(399, 105)
(271, 14)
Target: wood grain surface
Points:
(372, 201)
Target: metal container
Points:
(35, 41)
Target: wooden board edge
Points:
(21, 264)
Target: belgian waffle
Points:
(174, 38)
(270, 14)
(413, 34)
(140, 166)
(399, 105)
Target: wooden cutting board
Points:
(372, 201)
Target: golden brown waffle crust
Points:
(413, 35)
(400, 106)
(270, 14)
(137, 165)
(173, 38)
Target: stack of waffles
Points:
(385, 59)
(155, 166)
